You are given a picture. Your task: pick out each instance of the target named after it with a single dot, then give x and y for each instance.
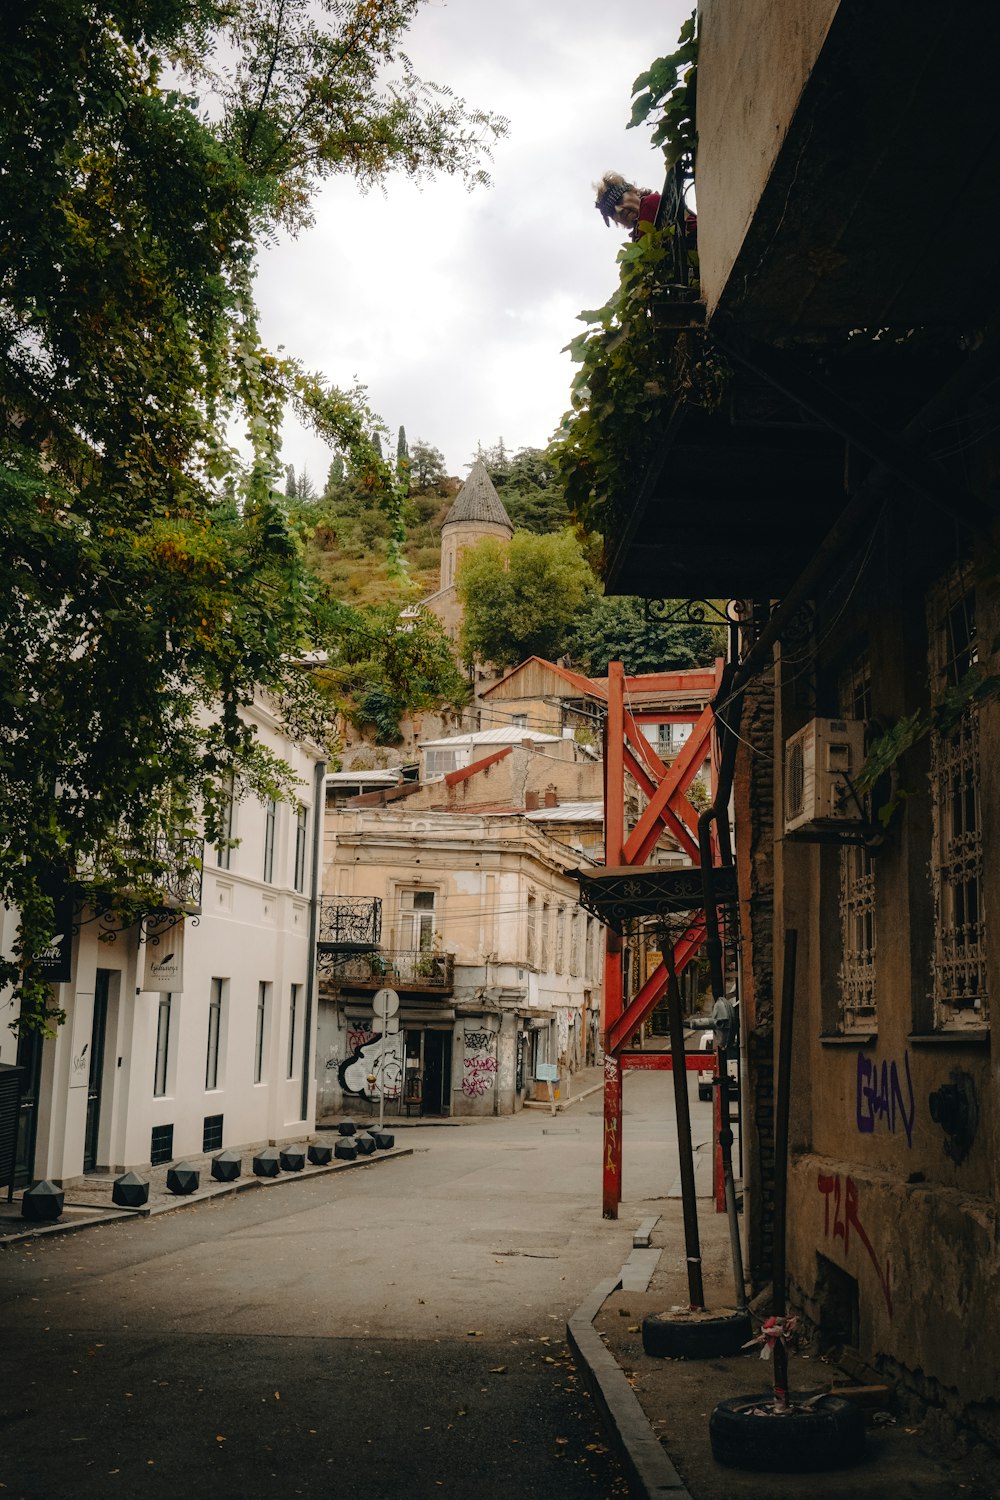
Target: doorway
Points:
(437, 1073)
(29, 1060)
(95, 1078)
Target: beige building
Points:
(480, 933)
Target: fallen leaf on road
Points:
(498, 1370)
(475, 1333)
(562, 1440)
(277, 1395)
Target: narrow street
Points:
(397, 1329)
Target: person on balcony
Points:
(622, 203)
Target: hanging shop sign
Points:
(53, 965)
(163, 956)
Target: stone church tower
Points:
(477, 511)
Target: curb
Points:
(650, 1472)
(563, 1104)
(207, 1195)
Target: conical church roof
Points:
(478, 500)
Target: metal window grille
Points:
(214, 1028)
(270, 824)
(960, 993)
(211, 1135)
(162, 1046)
(161, 1145)
(258, 1051)
(857, 976)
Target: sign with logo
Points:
(53, 964)
(163, 956)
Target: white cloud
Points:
(453, 308)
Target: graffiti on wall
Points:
(841, 1215)
(372, 1070)
(881, 1098)
(479, 1066)
(610, 1121)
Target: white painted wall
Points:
(250, 931)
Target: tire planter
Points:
(684, 1335)
(829, 1435)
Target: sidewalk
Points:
(657, 1410)
(88, 1203)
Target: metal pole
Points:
(781, 1112)
(689, 1204)
(381, 1065)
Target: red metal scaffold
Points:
(668, 810)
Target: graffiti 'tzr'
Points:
(846, 1216)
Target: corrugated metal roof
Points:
(478, 500)
(568, 812)
(510, 734)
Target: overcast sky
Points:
(451, 307)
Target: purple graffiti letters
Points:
(880, 1096)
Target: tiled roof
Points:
(478, 500)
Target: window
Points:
(416, 921)
(161, 1145)
(270, 825)
(960, 995)
(439, 762)
(560, 938)
(532, 936)
(858, 1011)
(162, 1047)
(519, 721)
(301, 819)
(211, 1134)
(293, 1025)
(543, 956)
(263, 996)
(574, 941)
(588, 949)
(214, 1031)
(223, 850)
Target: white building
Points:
(202, 1039)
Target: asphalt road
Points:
(394, 1330)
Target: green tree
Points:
(520, 597)
(150, 583)
(402, 462)
(616, 628)
(427, 467)
(532, 492)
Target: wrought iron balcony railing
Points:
(161, 874)
(349, 924)
(416, 971)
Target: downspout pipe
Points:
(319, 812)
(718, 813)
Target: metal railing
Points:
(393, 969)
(349, 923)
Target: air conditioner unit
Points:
(819, 759)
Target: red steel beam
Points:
(642, 1004)
(645, 1062)
(676, 780)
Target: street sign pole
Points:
(386, 1004)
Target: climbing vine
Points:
(664, 96)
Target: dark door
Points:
(95, 1079)
(29, 1060)
(437, 1073)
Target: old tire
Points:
(690, 1336)
(829, 1435)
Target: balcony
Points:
(349, 924)
(412, 972)
(161, 875)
